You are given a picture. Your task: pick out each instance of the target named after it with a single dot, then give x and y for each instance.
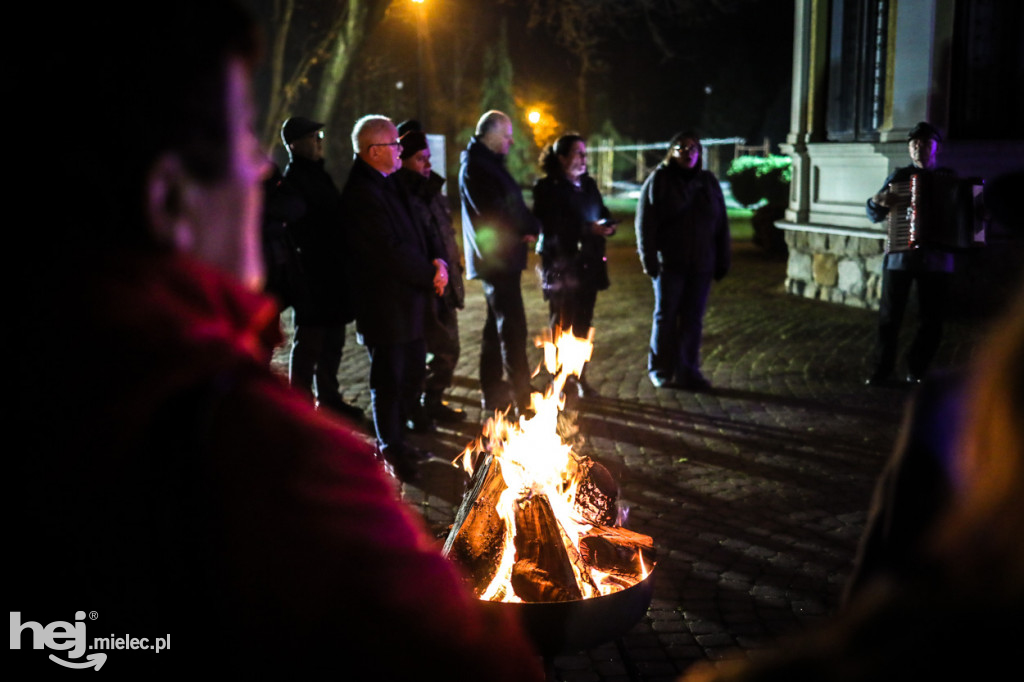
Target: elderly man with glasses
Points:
(396, 268)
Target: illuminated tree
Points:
(314, 42)
(498, 93)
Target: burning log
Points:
(606, 547)
(598, 494)
(538, 524)
(475, 540)
(543, 571)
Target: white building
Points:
(864, 72)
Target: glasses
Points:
(318, 135)
(688, 148)
(396, 143)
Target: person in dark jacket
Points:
(430, 208)
(682, 237)
(286, 278)
(190, 497)
(931, 268)
(496, 228)
(398, 268)
(574, 223)
(318, 233)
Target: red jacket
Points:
(175, 486)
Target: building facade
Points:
(864, 73)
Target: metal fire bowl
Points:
(569, 626)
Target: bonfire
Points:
(540, 521)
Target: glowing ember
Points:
(539, 522)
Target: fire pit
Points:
(538, 531)
(563, 627)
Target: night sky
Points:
(727, 76)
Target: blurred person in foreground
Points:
(188, 492)
(574, 223)
(682, 238)
(940, 591)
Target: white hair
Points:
(366, 128)
(490, 120)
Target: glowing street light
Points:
(543, 123)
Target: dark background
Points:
(722, 68)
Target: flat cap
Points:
(296, 127)
(412, 142)
(924, 131)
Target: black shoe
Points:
(440, 411)
(697, 382)
(585, 390)
(420, 421)
(524, 405)
(660, 381)
(402, 463)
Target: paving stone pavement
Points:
(755, 493)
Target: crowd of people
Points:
(194, 493)
(389, 236)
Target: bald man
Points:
(497, 228)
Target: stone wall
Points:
(847, 269)
(835, 268)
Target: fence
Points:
(636, 161)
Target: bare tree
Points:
(310, 39)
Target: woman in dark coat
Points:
(574, 224)
(682, 236)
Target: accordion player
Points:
(935, 210)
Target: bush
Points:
(756, 178)
(742, 176)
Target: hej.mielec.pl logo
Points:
(63, 636)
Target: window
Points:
(857, 62)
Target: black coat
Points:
(681, 223)
(430, 209)
(495, 218)
(571, 254)
(319, 234)
(392, 258)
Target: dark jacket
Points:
(570, 251)
(918, 260)
(430, 209)
(681, 223)
(285, 275)
(195, 494)
(495, 218)
(391, 258)
(319, 234)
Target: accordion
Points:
(935, 210)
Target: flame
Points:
(535, 461)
